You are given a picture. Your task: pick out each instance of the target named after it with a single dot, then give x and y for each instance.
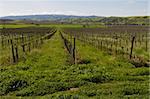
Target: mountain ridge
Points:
(46, 17)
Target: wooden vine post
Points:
(13, 53)
(17, 56)
(74, 52)
(147, 42)
(23, 47)
(132, 45)
(29, 48)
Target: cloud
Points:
(94, 7)
(131, 1)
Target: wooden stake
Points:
(13, 54)
(132, 45)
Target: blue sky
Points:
(75, 7)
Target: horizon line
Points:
(76, 15)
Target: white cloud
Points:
(131, 1)
(100, 7)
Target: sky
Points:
(76, 7)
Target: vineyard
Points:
(74, 62)
(128, 41)
(15, 43)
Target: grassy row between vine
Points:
(47, 25)
(46, 74)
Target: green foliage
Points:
(143, 20)
(42, 87)
(133, 88)
(47, 75)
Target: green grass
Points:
(49, 25)
(47, 74)
(15, 26)
(28, 25)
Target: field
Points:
(74, 62)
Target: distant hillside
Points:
(72, 19)
(142, 20)
(45, 17)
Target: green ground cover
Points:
(47, 74)
(49, 25)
